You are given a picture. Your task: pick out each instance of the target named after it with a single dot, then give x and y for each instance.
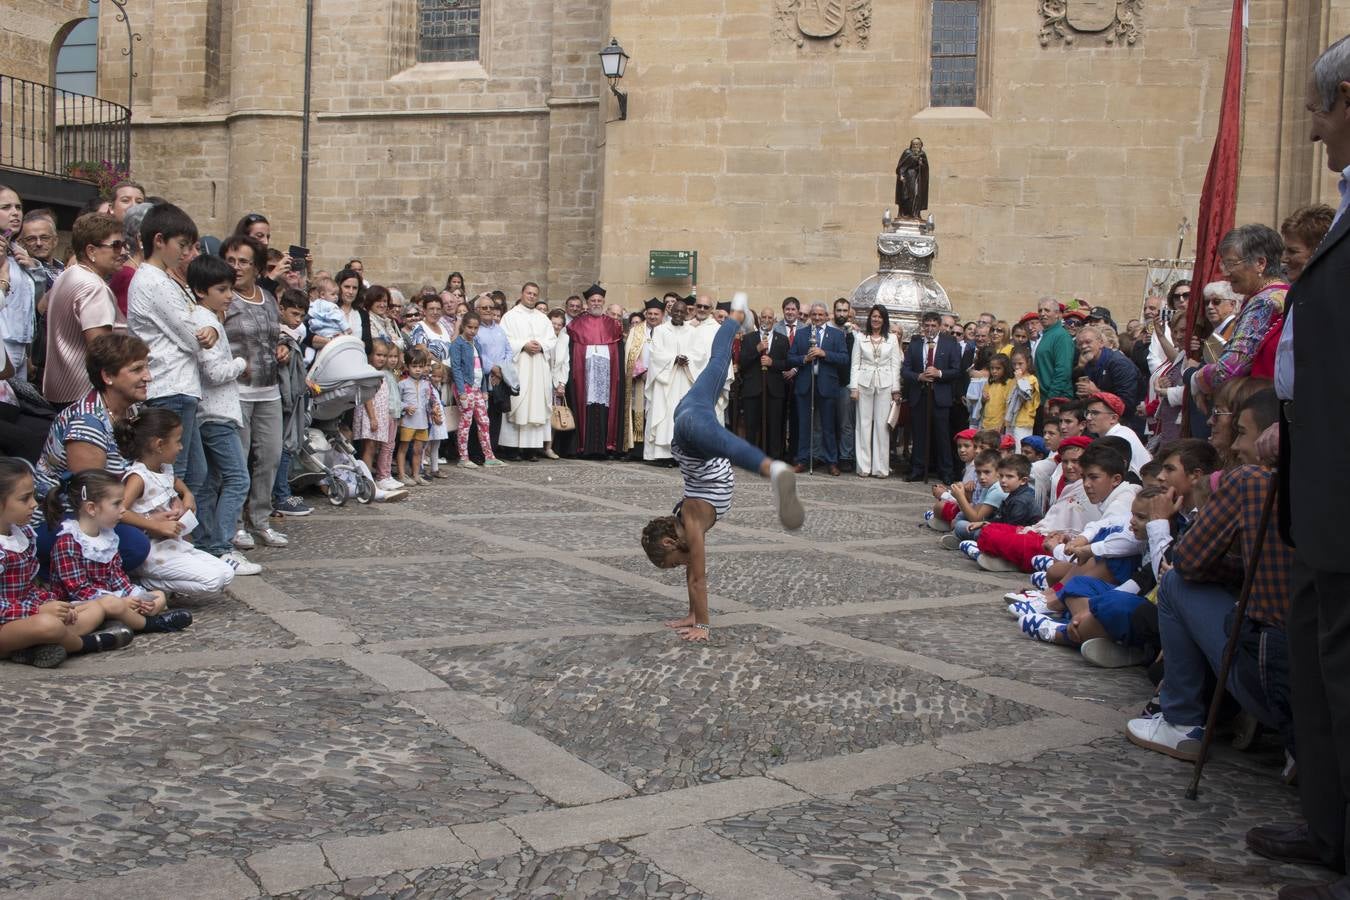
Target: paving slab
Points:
(658, 714)
(1109, 822)
(112, 775)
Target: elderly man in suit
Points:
(764, 355)
(820, 356)
(931, 367)
(1312, 448)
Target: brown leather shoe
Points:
(1317, 890)
(799, 468)
(834, 470)
(1285, 842)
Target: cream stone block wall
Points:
(775, 162)
(27, 32)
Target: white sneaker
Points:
(783, 482)
(383, 496)
(240, 564)
(1107, 654)
(243, 540)
(1014, 596)
(389, 484)
(1156, 733)
(467, 464)
(273, 538)
(1019, 608)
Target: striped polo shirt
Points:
(709, 480)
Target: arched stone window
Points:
(77, 57)
(448, 30)
(955, 57)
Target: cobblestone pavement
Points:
(470, 694)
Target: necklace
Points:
(252, 297)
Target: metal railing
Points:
(48, 131)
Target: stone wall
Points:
(775, 161)
(27, 33)
(487, 167)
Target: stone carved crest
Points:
(1117, 21)
(837, 21)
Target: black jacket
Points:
(1319, 434)
(753, 379)
(1019, 508)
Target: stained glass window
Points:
(448, 30)
(955, 52)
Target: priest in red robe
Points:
(596, 376)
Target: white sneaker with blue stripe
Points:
(1156, 733)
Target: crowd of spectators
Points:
(153, 394)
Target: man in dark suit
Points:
(819, 356)
(1314, 437)
(932, 365)
(960, 417)
(788, 326)
(1111, 372)
(764, 358)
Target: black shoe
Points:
(169, 620)
(43, 656)
(114, 636)
(914, 477)
(1286, 843)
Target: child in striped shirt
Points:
(705, 452)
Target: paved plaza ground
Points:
(470, 694)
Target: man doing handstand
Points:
(705, 452)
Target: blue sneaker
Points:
(1039, 581)
(1018, 609)
(292, 506)
(971, 549)
(1041, 562)
(1043, 628)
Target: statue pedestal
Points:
(904, 282)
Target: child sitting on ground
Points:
(1043, 469)
(1106, 549)
(37, 627)
(1005, 548)
(705, 452)
(152, 438)
(944, 510)
(86, 566)
(977, 505)
(1018, 508)
(1089, 609)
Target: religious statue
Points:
(911, 181)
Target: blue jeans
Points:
(697, 429)
(191, 462)
(281, 485)
(1193, 619)
(219, 504)
(961, 528)
(133, 545)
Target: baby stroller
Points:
(345, 380)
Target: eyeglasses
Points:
(701, 306)
(1214, 301)
(114, 246)
(1181, 295)
(38, 239)
(1093, 413)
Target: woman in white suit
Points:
(876, 384)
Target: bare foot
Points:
(686, 622)
(694, 634)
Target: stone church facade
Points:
(1068, 138)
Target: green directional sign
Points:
(673, 264)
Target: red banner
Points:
(1218, 200)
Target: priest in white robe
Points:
(677, 355)
(531, 339)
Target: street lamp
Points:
(613, 62)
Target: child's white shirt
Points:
(1068, 513)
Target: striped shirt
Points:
(709, 480)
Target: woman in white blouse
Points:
(875, 380)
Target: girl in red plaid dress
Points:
(37, 627)
(86, 566)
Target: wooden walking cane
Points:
(1239, 613)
